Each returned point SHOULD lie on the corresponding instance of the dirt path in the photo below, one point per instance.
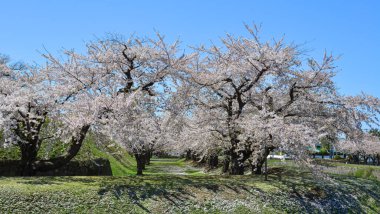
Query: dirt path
(172, 166)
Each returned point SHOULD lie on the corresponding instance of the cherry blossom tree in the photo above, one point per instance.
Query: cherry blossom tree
(364, 148)
(117, 82)
(140, 131)
(254, 97)
(39, 105)
(133, 82)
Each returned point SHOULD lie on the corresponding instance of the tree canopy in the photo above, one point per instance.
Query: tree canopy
(240, 100)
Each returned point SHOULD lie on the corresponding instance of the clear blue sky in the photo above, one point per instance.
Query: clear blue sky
(347, 28)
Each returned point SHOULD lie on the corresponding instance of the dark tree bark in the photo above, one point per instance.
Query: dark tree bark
(149, 155)
(144, 157)
(55, 163)
(139, 163)
(237, 157)
(194, 157)
(355, 159)
(257, 169)
(28, 129)
(365, 158)
(28, 158)
(237, 165)
(226, 164)
(259, 160)
(212, 161)
(188, 155)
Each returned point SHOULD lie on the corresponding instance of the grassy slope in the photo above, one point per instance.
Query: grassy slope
(121, 162)
(289, 189)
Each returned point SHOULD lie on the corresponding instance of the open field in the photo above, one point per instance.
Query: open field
(174, 186)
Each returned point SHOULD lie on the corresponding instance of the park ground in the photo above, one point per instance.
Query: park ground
(177, 186)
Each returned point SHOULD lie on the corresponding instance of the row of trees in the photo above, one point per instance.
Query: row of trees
(241, 101)
(366, 151)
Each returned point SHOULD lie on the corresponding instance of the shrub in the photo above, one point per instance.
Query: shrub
(337, 157)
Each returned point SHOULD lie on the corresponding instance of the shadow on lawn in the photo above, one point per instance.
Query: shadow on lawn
(50, 180)
(173, 189)
(339, 194)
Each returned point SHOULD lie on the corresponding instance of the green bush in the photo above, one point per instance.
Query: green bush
(324, 151)
(337, 157)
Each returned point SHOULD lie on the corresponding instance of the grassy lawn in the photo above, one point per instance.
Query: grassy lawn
(175, 186)
(289, 190)
(336, 168)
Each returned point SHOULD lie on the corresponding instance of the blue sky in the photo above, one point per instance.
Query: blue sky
(347, 28)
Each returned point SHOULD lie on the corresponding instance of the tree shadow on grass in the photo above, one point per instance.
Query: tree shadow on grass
(176, 190)
(49, 180)
(339, 194)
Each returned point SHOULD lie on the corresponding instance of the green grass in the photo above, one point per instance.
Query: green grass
(342, 164)
(295, 191)
(171, 166)
(121, 162)
(175, 186)
(168, 161)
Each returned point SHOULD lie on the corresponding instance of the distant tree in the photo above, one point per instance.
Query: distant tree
(375, 132)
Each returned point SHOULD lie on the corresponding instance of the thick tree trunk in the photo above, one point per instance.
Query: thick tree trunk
(237, 165)
(139, 163)
(75, 145)
(28, 157)
(226, 161)
(378, 159)
(257, 165)
(257, 169)
(194, 157)
(143, 157)
(212, 161)
(372, 159)
(237, 157)
(188, 155)
(365, 159)
(226, 164)
(149, 155)
(355, 159)
(259, 159)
